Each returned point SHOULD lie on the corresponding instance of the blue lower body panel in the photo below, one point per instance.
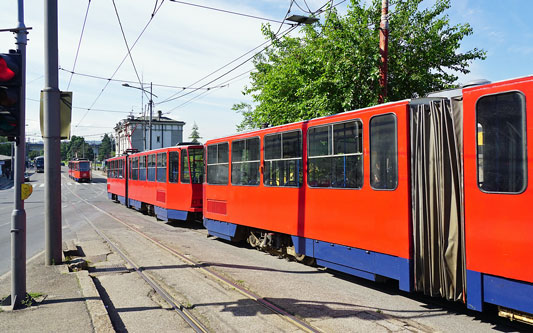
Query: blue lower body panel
(513, 294)
(121, 199)
(365, 264)
(135, 204)
(362, 263)
(221, 229)
(170, 214)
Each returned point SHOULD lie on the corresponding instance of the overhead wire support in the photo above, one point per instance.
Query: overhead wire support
(79, 43)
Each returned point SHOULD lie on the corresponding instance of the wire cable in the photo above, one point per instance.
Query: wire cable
(173, 96)
(318, 12)
(234, 68)
(79, 43)
(85, 108)
(227, 11)
(128, 48)
(128, 81)
(120, 65)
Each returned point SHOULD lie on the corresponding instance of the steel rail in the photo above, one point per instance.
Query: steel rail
(196, 325)
(265, 303)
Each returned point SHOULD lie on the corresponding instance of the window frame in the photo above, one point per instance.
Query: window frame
(263, 164)
(182, 169)
(207, 164)
(370, 151)
(362, 154)
(169, 170)
(241, 162)
(524, 119)
(161, 157)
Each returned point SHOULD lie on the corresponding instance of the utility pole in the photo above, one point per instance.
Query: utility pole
(150, 123)
(52, 141)
(383, 49)
(18, 216)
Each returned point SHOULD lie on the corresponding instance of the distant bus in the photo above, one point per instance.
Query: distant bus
(39, 163)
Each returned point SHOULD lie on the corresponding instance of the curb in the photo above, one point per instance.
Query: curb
(95, 305)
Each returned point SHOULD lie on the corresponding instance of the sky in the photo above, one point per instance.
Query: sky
(182, 44)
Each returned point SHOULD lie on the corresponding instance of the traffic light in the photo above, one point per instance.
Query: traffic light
(10, 85)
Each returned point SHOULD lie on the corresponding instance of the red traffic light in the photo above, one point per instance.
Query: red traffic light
(6, 73)
(10, 89)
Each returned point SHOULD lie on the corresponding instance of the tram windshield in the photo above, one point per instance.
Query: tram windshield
(84, 166)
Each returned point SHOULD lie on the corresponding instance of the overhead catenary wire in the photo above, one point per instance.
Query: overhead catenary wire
(209, 91)
(177, 96)
(122, 61)
(129, 50)
(79, 43)
(232, 69)
(86, 108)
(129, 81)
(228, 11)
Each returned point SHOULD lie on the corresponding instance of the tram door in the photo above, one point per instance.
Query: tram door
(437, 197)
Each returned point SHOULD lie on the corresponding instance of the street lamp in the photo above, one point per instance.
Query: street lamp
(150, 103)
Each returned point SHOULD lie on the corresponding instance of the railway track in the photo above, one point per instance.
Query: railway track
(194, 323)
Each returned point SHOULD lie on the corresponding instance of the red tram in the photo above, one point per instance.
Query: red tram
(80, 170)
(432, 192)
(164, 182)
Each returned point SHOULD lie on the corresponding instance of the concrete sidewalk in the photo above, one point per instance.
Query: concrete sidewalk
(66, 302)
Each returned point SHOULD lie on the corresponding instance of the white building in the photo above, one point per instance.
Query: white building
(133, 133)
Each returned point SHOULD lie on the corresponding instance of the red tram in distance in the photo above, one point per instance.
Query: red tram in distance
(80, 170)
(164, 182)
(431, 192)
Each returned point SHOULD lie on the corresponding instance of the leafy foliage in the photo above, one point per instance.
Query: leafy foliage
(334, 66)
(106, 148)
(76, 148)
(5, 146)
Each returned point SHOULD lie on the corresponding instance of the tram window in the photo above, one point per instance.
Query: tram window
(173, 166)
(283, 159)
(135, 168)
(151, 168)
(196, 162)
(217, 163)
(335, 155)
(142, 167)
(383, 152)
(501, 143)
(185, 177)
(119, 173)
(162, 167)
(245, 162)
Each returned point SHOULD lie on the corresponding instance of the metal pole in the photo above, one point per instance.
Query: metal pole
(384, 49)
(18, 217)
(150, 124)
(52, 141)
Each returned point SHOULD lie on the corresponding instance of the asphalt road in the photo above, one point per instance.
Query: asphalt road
(34, 207)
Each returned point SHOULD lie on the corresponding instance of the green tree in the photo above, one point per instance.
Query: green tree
(34, 153)
(334, 66)
(78, 148)
(195, 135)
(5, 146)
(104, 152)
